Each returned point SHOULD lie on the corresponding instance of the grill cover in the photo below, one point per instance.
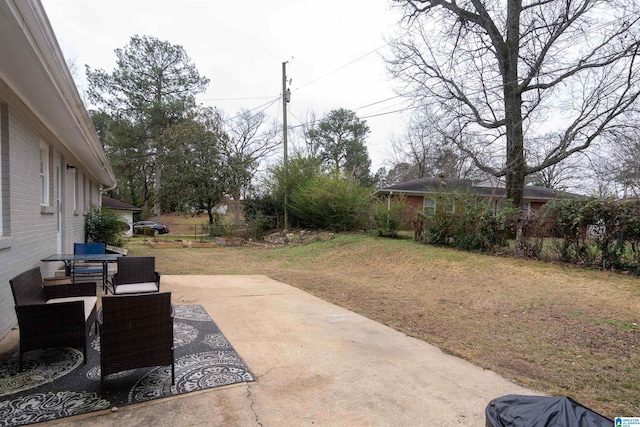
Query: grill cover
(538, 411)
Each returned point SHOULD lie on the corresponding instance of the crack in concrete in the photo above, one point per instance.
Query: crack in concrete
(268, 371)
(255, 414)
(255, 295)
(249, 391)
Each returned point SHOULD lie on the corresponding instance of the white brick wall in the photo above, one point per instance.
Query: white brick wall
(29, 232)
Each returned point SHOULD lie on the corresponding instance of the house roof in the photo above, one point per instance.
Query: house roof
(424, 186)
(34, 67)
(112, 203)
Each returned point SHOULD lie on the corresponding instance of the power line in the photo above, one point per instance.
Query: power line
(237, 99)
(342, 67)
(379, 102)
(391, 112)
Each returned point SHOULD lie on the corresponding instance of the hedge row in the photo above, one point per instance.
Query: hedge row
(591, 232)
(595, 232)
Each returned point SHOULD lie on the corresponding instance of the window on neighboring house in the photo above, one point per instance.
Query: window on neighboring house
(449, 204)
(429, 206)
(44, 175)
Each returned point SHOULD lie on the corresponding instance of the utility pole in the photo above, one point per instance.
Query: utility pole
(286, 97)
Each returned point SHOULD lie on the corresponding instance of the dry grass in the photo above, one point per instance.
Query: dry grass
(556, 329)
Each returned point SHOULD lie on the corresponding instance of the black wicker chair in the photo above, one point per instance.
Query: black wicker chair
(136, 275)
(136, 331)
(53, 315)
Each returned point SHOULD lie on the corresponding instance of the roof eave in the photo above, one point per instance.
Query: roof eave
(35, 70)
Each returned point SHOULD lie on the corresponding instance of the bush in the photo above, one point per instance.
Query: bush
(260, 223)
(330, 203)
(387, 216)
(104, 226)
(466, 222)
(262, 213)
(599, 233)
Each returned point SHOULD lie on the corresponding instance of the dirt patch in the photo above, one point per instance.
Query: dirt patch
(297, 237)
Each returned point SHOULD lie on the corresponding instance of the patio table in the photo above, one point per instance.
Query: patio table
(70, 259)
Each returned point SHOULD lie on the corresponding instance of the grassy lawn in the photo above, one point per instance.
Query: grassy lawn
(557, 329)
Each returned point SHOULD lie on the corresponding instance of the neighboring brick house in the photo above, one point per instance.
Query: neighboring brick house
(425, 194)
(52, 165)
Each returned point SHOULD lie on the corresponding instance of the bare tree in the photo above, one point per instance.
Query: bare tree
(561, 175)
(625, 161)
(303, 145)
(601, 173)
(250, 140)
(498, 71)
(424, 151)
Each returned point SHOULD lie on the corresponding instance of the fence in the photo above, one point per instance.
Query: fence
(202, 232)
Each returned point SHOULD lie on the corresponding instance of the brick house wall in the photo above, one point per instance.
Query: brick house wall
(30, 230)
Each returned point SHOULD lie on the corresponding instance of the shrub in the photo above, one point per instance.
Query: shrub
(262, 213)
(466, 222)
(387, 216)
(600, 233)
(104, 226)
(330, 203)
(260, 223)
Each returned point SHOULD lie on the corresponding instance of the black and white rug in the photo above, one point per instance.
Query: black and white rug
(56, 384)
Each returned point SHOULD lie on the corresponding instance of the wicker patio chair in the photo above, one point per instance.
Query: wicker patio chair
(136, 331)
(136, 275)
(53, 315)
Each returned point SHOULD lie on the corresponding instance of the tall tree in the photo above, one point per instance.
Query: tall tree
(153, 87)
(195, 169)
(501, 70)
(339, 142)
(250, 140)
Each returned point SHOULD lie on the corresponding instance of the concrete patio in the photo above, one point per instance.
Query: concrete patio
(315, 364)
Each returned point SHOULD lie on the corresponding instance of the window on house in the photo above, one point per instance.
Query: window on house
(449, 204)
(83, 192)
(86, 194)
(74, 189)
(90, 193)
(44, 175)
(429, 206)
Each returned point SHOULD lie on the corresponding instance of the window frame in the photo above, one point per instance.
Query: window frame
(44, 175)
(74, 186)
(428, 205)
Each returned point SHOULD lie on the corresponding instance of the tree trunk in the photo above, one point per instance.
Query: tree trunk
(156, 206)
(513, 106)
(523, 221)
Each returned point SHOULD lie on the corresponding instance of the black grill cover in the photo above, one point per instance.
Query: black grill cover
(538, 411)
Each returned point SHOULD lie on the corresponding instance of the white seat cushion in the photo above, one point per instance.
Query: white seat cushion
(137, 288)
(89, 303)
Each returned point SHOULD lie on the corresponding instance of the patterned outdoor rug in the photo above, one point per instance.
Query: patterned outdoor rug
(56, 384)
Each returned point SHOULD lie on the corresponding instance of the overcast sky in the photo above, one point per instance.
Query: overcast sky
(333, 49)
